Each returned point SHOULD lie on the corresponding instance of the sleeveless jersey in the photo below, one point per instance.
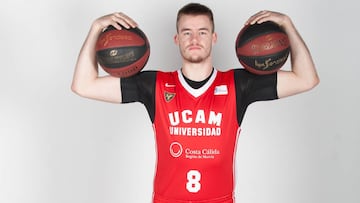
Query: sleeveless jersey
(196, 132)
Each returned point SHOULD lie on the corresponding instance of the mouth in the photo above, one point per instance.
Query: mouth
(193, 47)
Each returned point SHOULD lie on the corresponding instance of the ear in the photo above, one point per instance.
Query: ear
(214, 38)
(176, 39)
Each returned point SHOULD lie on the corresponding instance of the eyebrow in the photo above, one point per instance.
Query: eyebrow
(188, 29)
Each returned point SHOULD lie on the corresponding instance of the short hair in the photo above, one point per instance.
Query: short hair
(195, 9)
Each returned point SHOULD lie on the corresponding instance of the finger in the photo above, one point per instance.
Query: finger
(258, 17)
(115, 23)
(251, 18)
(124, 20)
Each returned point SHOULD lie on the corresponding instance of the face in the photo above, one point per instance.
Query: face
(195, 38)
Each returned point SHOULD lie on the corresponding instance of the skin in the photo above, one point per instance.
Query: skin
(195, 39)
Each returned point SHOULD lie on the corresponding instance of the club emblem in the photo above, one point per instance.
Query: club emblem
(169, 96)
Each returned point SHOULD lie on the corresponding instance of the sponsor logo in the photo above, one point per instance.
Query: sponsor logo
(113, 52)
(176, 149)
(169, 85)
(201, 153)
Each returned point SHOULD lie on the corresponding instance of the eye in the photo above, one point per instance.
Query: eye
(203, 33)
(187, 33)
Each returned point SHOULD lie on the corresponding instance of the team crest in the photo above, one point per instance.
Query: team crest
(169, 96)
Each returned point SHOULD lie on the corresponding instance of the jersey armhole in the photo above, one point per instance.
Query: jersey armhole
(140, 88)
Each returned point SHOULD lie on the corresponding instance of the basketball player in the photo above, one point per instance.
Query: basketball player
(197, 110)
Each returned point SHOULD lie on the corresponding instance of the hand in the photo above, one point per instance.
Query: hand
(263, 16)
(115, 19)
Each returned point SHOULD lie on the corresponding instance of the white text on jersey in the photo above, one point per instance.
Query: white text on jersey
(187, 117)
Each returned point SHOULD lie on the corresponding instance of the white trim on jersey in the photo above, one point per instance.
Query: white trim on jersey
(201, 90)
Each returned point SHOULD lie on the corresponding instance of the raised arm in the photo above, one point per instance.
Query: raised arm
(86, 80)
(303, 75)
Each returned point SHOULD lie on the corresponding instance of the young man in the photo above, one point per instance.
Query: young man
(197, 110)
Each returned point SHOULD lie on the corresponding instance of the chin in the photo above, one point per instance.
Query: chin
(195, 59)
(198, 60)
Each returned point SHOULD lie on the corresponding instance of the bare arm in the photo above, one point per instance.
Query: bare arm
(86, 80)
(303, 75)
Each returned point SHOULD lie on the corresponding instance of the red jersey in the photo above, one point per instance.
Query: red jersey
(196, 129)
(196, 132)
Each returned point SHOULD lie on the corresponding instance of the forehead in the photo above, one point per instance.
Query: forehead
(194, 22)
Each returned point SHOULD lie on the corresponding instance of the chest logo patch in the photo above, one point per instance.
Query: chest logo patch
(169, 96)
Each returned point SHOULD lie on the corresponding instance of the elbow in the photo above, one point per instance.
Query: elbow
(76, 88)
(312, 83)
(316, 81)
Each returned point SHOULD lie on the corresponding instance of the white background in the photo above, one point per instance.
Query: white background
(56, 147)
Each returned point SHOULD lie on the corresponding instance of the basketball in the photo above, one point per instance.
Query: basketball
(122, 53)
(262, 48)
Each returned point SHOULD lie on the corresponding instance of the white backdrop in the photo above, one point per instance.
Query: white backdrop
(56, 147)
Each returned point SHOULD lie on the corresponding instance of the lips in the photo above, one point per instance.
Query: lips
(194, 47)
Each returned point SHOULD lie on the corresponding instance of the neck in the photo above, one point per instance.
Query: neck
(197, 71)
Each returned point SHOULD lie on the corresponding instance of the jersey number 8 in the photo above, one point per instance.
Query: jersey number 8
(193, 181)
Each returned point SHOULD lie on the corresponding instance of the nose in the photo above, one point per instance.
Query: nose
(195, 37)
